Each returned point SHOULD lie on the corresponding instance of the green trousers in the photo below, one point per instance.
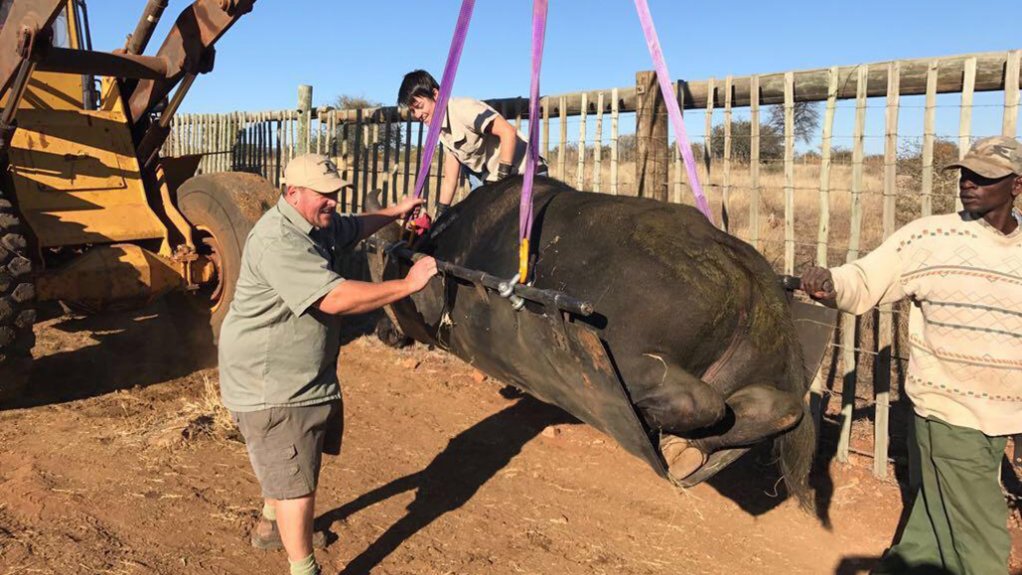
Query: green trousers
(959, 520)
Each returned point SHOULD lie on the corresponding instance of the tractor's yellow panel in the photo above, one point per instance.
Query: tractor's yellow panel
(77, 178)
(53, 91)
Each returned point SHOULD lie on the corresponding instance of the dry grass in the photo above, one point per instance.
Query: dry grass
(201, 416)
(214, 419)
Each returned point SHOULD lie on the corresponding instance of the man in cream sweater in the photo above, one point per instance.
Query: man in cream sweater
(963, 274)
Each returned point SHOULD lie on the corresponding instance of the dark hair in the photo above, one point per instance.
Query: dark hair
(416, 83)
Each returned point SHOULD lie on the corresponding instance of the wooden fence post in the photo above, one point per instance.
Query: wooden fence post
(580, 173)
(789, 173)
(304, 118)
(614, 112)
(965, 118)
(929, 134)
(849, 357)
(650, 138)
(818, 397)
(754, 162)
(711, 98)
(885, 325)
(598, 145)
(1009, 125)
(562, 112)
(725, 197)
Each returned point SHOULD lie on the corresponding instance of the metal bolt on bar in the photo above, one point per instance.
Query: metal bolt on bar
(507, 290)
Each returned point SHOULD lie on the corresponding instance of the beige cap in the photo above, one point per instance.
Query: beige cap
(994, 157)
(315, 172)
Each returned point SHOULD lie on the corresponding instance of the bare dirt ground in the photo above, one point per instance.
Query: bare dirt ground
(118, 462)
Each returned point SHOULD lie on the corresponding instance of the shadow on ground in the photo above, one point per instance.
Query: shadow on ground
(126, 349)
(471, 459)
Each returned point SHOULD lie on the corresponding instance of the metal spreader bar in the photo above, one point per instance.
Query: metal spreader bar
(551, 298)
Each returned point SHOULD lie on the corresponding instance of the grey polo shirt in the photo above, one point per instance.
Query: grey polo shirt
(276, 347)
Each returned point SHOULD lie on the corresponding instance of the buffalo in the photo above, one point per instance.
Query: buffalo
(690, 357)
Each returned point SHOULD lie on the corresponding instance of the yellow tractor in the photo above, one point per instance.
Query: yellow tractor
(90, 213)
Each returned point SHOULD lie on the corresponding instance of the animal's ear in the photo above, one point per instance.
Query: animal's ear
(373, 201)
(390, 232)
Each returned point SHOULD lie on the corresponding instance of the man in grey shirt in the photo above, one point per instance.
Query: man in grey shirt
(280, 340)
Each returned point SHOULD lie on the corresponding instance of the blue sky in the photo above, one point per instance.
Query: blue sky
(363, 48)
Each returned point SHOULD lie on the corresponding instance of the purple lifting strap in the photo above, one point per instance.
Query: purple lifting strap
(446, 83)
(539, 11)
(653, 43)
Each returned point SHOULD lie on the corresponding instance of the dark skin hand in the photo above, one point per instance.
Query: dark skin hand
(818, 284)
(991, 199)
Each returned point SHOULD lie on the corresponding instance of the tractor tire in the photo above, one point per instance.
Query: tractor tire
(222, 208)
(17, 303)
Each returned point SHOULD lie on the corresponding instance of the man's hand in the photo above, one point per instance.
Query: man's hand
(420, 274)
(406, 205)
(818, 283)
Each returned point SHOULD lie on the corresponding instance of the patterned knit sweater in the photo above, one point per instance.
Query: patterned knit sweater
(964, 278)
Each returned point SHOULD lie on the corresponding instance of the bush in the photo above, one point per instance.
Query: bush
(910, 179)
(771, 142)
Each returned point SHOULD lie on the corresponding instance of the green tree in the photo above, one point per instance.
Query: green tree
(349, 102)
(944, 184)
(806, 118)
(771, 142)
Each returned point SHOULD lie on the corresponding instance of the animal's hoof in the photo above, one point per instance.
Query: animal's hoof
(683, 458)
(390, 335)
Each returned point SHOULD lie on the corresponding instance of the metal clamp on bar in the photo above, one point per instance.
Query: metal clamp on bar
(507, 290)
(551, 298)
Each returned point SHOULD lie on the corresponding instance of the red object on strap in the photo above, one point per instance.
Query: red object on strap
(446, 83)
(420, 225)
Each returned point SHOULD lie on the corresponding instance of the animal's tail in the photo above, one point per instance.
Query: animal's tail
(797, 446)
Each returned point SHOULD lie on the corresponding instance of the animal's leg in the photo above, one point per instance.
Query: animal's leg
(756, 412)
(675, 402)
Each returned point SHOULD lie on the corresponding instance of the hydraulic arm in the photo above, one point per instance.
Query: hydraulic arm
(26, 45)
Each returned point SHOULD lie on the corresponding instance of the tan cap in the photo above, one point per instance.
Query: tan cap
(315, 172)
(994, 157)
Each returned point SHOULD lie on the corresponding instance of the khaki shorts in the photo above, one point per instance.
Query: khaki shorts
(285, 445)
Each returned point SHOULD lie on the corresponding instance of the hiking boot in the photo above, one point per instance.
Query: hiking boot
(265, 535)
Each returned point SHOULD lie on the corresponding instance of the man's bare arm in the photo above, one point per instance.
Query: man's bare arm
(354, 297)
